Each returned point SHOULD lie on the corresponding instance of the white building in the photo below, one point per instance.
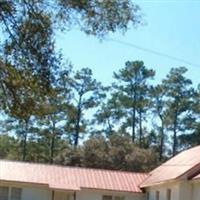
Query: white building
(177, 179)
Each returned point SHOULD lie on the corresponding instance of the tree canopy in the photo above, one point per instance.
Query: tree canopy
(51, 113)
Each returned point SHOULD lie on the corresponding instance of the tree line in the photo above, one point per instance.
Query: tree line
(81, 122)
(53, 114)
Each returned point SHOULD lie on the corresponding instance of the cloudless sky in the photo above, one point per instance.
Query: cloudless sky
(171, 27)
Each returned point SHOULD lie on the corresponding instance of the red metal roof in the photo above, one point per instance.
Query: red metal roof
(174, 168)
(71, 178)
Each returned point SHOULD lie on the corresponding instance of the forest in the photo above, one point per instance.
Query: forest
(51, 113)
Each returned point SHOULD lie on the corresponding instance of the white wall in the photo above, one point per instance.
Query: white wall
(35, 194)
(196, 191)
(42, 194)
(186, 190)
(175, 188)
(30, 192)
(97, 195)
(180, 190)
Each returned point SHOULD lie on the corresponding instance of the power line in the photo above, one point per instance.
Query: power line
(153, 52)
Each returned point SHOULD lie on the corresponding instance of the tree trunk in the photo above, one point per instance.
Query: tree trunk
(133, 124)
(77, 126)
(52, 144)
(161, 139)
(24, 151)
(140, 127)
(175, 136)
(175, 143)
(110, 128)
(24, 147)
(52, 148)
(134, 114)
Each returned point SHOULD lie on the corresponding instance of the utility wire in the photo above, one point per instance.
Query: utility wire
(153, 52)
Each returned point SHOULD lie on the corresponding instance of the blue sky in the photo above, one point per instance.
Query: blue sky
(172, 27)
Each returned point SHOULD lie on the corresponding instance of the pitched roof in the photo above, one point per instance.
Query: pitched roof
(174, 168)
(70, 178)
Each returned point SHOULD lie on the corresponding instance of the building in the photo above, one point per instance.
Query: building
(177, 179)
(26, 181)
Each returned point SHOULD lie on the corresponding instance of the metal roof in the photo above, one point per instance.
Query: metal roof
(174, 168)
(71, 178)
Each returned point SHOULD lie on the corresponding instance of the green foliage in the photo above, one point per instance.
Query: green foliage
(159, 110)
(179, 94)
(117, 153)
(131, 91)
(192, 123)
(99, 17)
(105, 116)
(48, 109)
(87, 94)
(98, 157)
(78, 122)
(29, 62)
(29, 25)
(8, 147)
(33, 93)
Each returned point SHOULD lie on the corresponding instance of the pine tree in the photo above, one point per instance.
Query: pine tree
(86, 94)
(159, 110)
(179, 94)
(132, 91)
